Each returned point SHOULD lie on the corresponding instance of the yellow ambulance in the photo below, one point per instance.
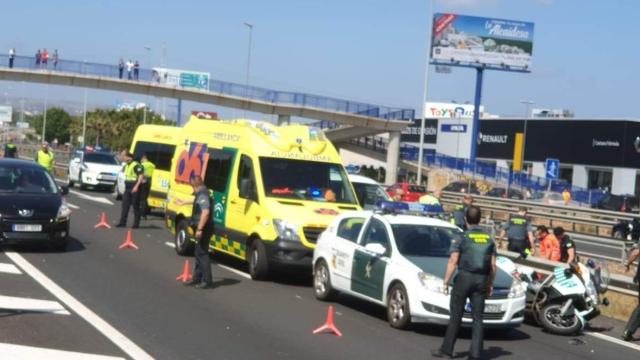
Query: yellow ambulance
(274, 189)
(158, 142)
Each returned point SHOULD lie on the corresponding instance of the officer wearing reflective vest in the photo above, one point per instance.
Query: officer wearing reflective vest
(10, 150)
(145, 189)
(460, 210)
(133, 176)
(474, 256)
(519, 233)
(44, 157)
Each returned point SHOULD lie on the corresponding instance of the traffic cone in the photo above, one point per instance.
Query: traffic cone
(102, 222)
(128, 242)
(185, 276)
(328, 325)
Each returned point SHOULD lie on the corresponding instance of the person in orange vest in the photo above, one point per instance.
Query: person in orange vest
(549, 244)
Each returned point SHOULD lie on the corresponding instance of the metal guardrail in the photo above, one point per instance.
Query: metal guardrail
(557, 214)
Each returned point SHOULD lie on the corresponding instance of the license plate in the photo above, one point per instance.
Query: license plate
(107, 177)
(488, 308)
(27, 227)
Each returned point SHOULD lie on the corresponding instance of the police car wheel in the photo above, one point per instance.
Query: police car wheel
(183, 245)
(398, 312)
(322, 282)
(257, 258)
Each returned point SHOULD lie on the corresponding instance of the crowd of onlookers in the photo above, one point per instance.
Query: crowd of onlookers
(133, 69)
(42, 58)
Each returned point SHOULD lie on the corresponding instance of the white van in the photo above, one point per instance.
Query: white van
(368, 191)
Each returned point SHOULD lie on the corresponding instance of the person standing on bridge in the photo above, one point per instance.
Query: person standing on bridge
(145, 189)
(474, 256)
(203, 227)
(44, 57)
(519, 233)
(45, 157)
(129, 69)
(634, 320)
(120, 68)
(136, 70)
(38, 58)
(55, 59)
(133, 176)
(12, 56)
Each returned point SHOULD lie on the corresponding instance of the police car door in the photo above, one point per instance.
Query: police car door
(343, 249)
(74, 166)
(368, 269)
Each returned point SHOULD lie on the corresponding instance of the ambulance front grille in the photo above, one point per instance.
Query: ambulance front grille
(312, 233)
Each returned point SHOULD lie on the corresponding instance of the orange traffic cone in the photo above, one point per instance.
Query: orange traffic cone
(328, 325)
(185, 276)
(102, 222)
(128, 242)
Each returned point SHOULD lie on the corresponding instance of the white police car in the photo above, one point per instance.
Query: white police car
(399, 261)
(93, 168)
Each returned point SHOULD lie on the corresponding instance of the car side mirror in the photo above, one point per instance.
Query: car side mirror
(376, 248)
(64, 190)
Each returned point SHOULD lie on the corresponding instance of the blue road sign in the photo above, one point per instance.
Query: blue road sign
(552, 169)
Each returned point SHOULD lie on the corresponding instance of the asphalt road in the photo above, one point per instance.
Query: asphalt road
(135, 294)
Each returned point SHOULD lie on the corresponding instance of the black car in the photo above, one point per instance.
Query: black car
(462, 187)
(31, 205)
(624, 203)
(502, 193)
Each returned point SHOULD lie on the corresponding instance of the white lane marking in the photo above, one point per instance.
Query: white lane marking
(613, 340)
(20, 352)
(75, 207)
(124, 343)
(26, 304)
(235, 271)
(9, 269)
(98, 199)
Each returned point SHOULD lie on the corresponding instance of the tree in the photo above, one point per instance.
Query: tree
(58, 125)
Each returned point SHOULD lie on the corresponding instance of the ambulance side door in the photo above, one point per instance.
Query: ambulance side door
(243, 206)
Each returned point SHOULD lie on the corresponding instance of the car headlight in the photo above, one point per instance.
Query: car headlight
(591, 290)
(63, 212)
(286, 230)
(431, 283)
(517, 290)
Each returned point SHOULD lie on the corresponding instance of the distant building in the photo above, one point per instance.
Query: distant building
(551, 113)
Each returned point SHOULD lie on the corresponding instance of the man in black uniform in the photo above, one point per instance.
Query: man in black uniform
(567, 247)
(634, 320)
(519, 233)
(460, 210)
(202, 225)
(474, 254)
(133, 176)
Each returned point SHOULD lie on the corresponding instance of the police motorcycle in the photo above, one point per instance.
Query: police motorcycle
(564, 301)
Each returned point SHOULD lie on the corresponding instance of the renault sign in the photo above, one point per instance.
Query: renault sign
(470, 40)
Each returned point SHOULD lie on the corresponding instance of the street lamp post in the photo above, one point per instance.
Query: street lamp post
(144, 114)
(423, 113)
(248, 70)
(527, 104)
(84, 119)
(44, 116)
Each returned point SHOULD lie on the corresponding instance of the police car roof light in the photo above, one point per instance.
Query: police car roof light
(398, 207)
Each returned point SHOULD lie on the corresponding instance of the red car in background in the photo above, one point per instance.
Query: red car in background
(406, 192)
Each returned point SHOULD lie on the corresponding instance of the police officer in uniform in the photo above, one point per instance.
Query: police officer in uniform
(460, 210)
(474, 255)
(44, 157)
(519, 233)
(10, 150)
(149, 167)
(202, 226)
(567, 246)
(133, 176)
(634, 321)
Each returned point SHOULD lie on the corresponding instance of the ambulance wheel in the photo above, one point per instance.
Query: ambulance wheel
(322, 282)
(258, 262)
(398, 313)
(184, 246)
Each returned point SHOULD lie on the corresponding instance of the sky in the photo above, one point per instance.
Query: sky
(585, 54)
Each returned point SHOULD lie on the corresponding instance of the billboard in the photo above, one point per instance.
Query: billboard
(496, 138)
(181, 78)
(450, 110)
(470, 40)
(411, 133)
(5, 114)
